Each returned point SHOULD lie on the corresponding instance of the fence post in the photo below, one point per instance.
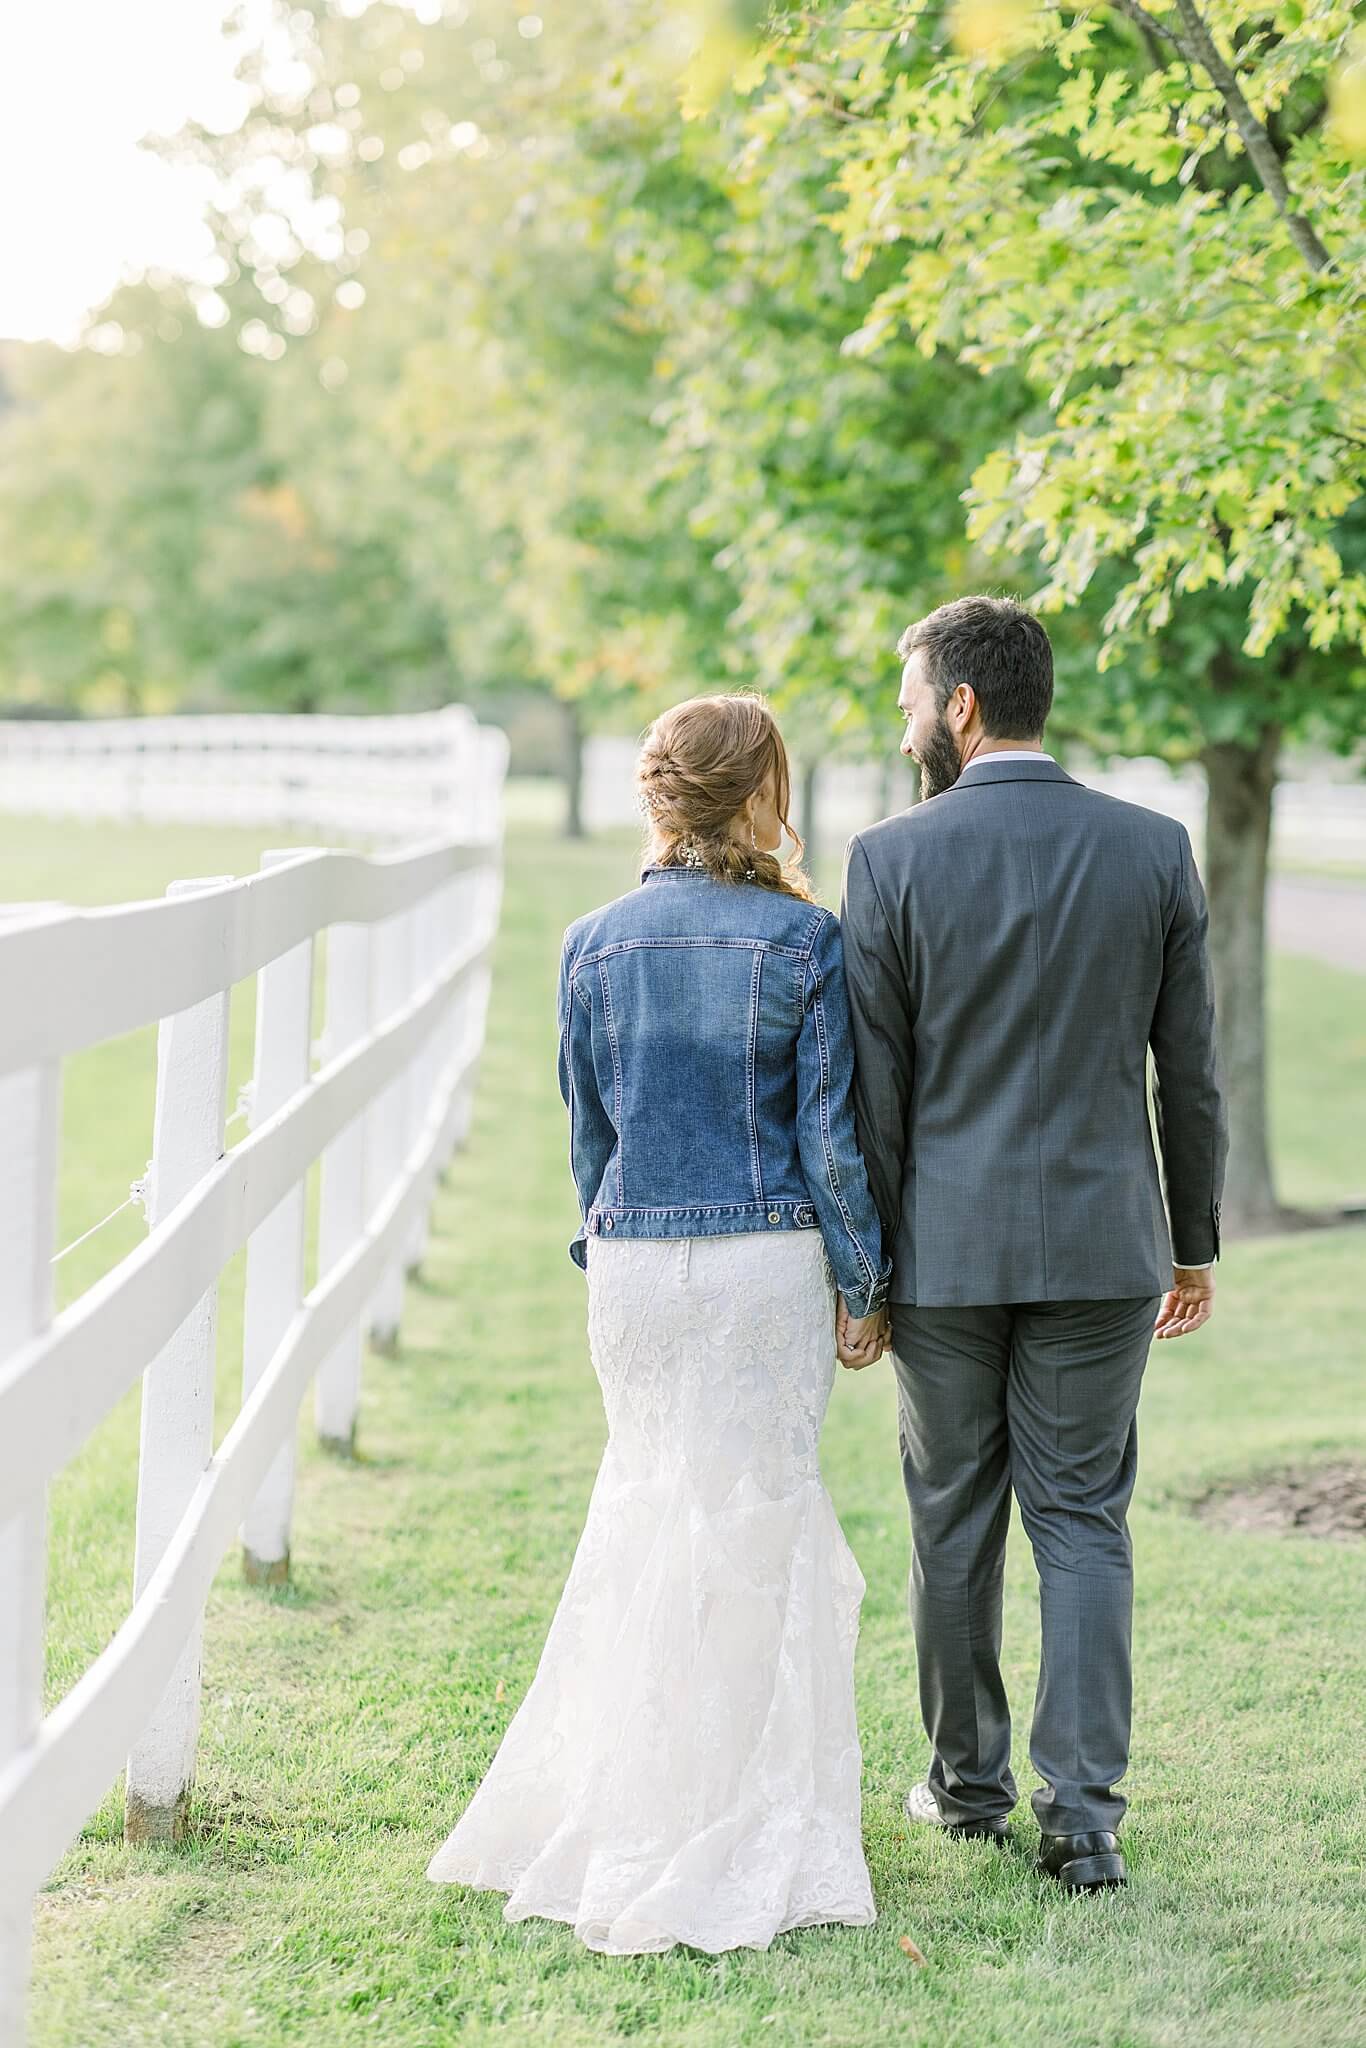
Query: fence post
(177, 1394)
(465, 913)
(456, 906)
(28, 1219)
(387, 1117)
(275, 1249)
(481, 908)
(424, 1072)
(456, 910)
(29, 1133)
(341, 1210)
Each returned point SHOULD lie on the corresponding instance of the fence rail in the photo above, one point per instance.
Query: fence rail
(407, 934)
(352, 777)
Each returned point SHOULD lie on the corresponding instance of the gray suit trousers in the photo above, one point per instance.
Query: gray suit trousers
(1040, 1397)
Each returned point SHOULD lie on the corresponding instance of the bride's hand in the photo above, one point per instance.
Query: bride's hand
(859, 1340)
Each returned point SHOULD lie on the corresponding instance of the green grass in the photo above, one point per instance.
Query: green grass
(1317, 1032)
(348, 1717)
(1323, 869)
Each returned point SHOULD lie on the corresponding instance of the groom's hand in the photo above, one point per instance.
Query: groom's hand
(1190, 1303)
(859, 1340)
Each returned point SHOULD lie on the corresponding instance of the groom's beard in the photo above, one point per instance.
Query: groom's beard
(940, 766)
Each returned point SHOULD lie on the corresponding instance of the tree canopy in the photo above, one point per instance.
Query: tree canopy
(662, 344)
(1167, 243)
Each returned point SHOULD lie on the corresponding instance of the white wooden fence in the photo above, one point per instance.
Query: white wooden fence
(408, 938)
(366, 778)
(1317, 821)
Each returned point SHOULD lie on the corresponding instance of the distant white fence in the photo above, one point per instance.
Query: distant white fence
(408, 939)
(1315, 821)
(349, 777)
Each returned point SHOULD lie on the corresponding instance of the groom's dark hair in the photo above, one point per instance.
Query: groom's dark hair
(999, 649)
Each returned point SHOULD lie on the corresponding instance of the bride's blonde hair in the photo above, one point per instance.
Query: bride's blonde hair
(699, 764)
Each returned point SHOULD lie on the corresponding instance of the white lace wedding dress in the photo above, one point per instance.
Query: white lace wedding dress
(685, 1765)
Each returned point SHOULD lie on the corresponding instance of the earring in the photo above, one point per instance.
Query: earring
(751, 872)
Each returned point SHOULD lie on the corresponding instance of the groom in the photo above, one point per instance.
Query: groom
(1014, 947)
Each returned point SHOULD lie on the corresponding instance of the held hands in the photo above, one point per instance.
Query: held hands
(1190, 1303)
(860, 1340)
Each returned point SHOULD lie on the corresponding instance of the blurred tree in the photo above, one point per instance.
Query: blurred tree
(829, 484)
(175, 528)
(584, 324)
(523, 363)
(531, 358)
(504, 367)
(114, 455)
(1146, 213)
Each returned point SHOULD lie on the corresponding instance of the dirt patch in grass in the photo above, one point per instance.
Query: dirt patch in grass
(1312, 1500)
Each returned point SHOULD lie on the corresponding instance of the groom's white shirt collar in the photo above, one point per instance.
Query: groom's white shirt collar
(1013, 754)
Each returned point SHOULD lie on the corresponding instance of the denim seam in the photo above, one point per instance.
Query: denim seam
(793, 1202)
(831, 1172)
(751, 1061)
(669, 944)
(569, 1075)
(818, 917)
(616, 1071)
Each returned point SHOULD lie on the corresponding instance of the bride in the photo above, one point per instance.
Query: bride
(685, 1766)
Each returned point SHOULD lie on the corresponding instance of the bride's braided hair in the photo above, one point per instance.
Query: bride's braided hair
(699, 763)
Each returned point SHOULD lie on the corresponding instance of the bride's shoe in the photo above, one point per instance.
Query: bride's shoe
(922, 1806)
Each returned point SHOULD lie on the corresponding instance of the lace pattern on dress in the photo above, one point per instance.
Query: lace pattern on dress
(685, 1766)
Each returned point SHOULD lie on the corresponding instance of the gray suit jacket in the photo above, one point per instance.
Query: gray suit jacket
(1013, 948)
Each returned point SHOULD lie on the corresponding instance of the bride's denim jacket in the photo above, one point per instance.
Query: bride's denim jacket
(706, 1060)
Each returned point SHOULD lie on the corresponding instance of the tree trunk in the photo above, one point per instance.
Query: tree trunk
(1242, 781)
(573, 772)
(808, 820)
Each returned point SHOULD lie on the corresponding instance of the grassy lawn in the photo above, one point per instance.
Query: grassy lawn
(348, 1717)
(1317, 1025)
(1348, 869)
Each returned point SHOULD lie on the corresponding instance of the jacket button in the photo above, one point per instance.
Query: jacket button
(802, 1215)
(607, 1223)
(774, 1217)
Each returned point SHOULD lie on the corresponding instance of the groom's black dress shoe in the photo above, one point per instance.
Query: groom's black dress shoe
(1082, 1863)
